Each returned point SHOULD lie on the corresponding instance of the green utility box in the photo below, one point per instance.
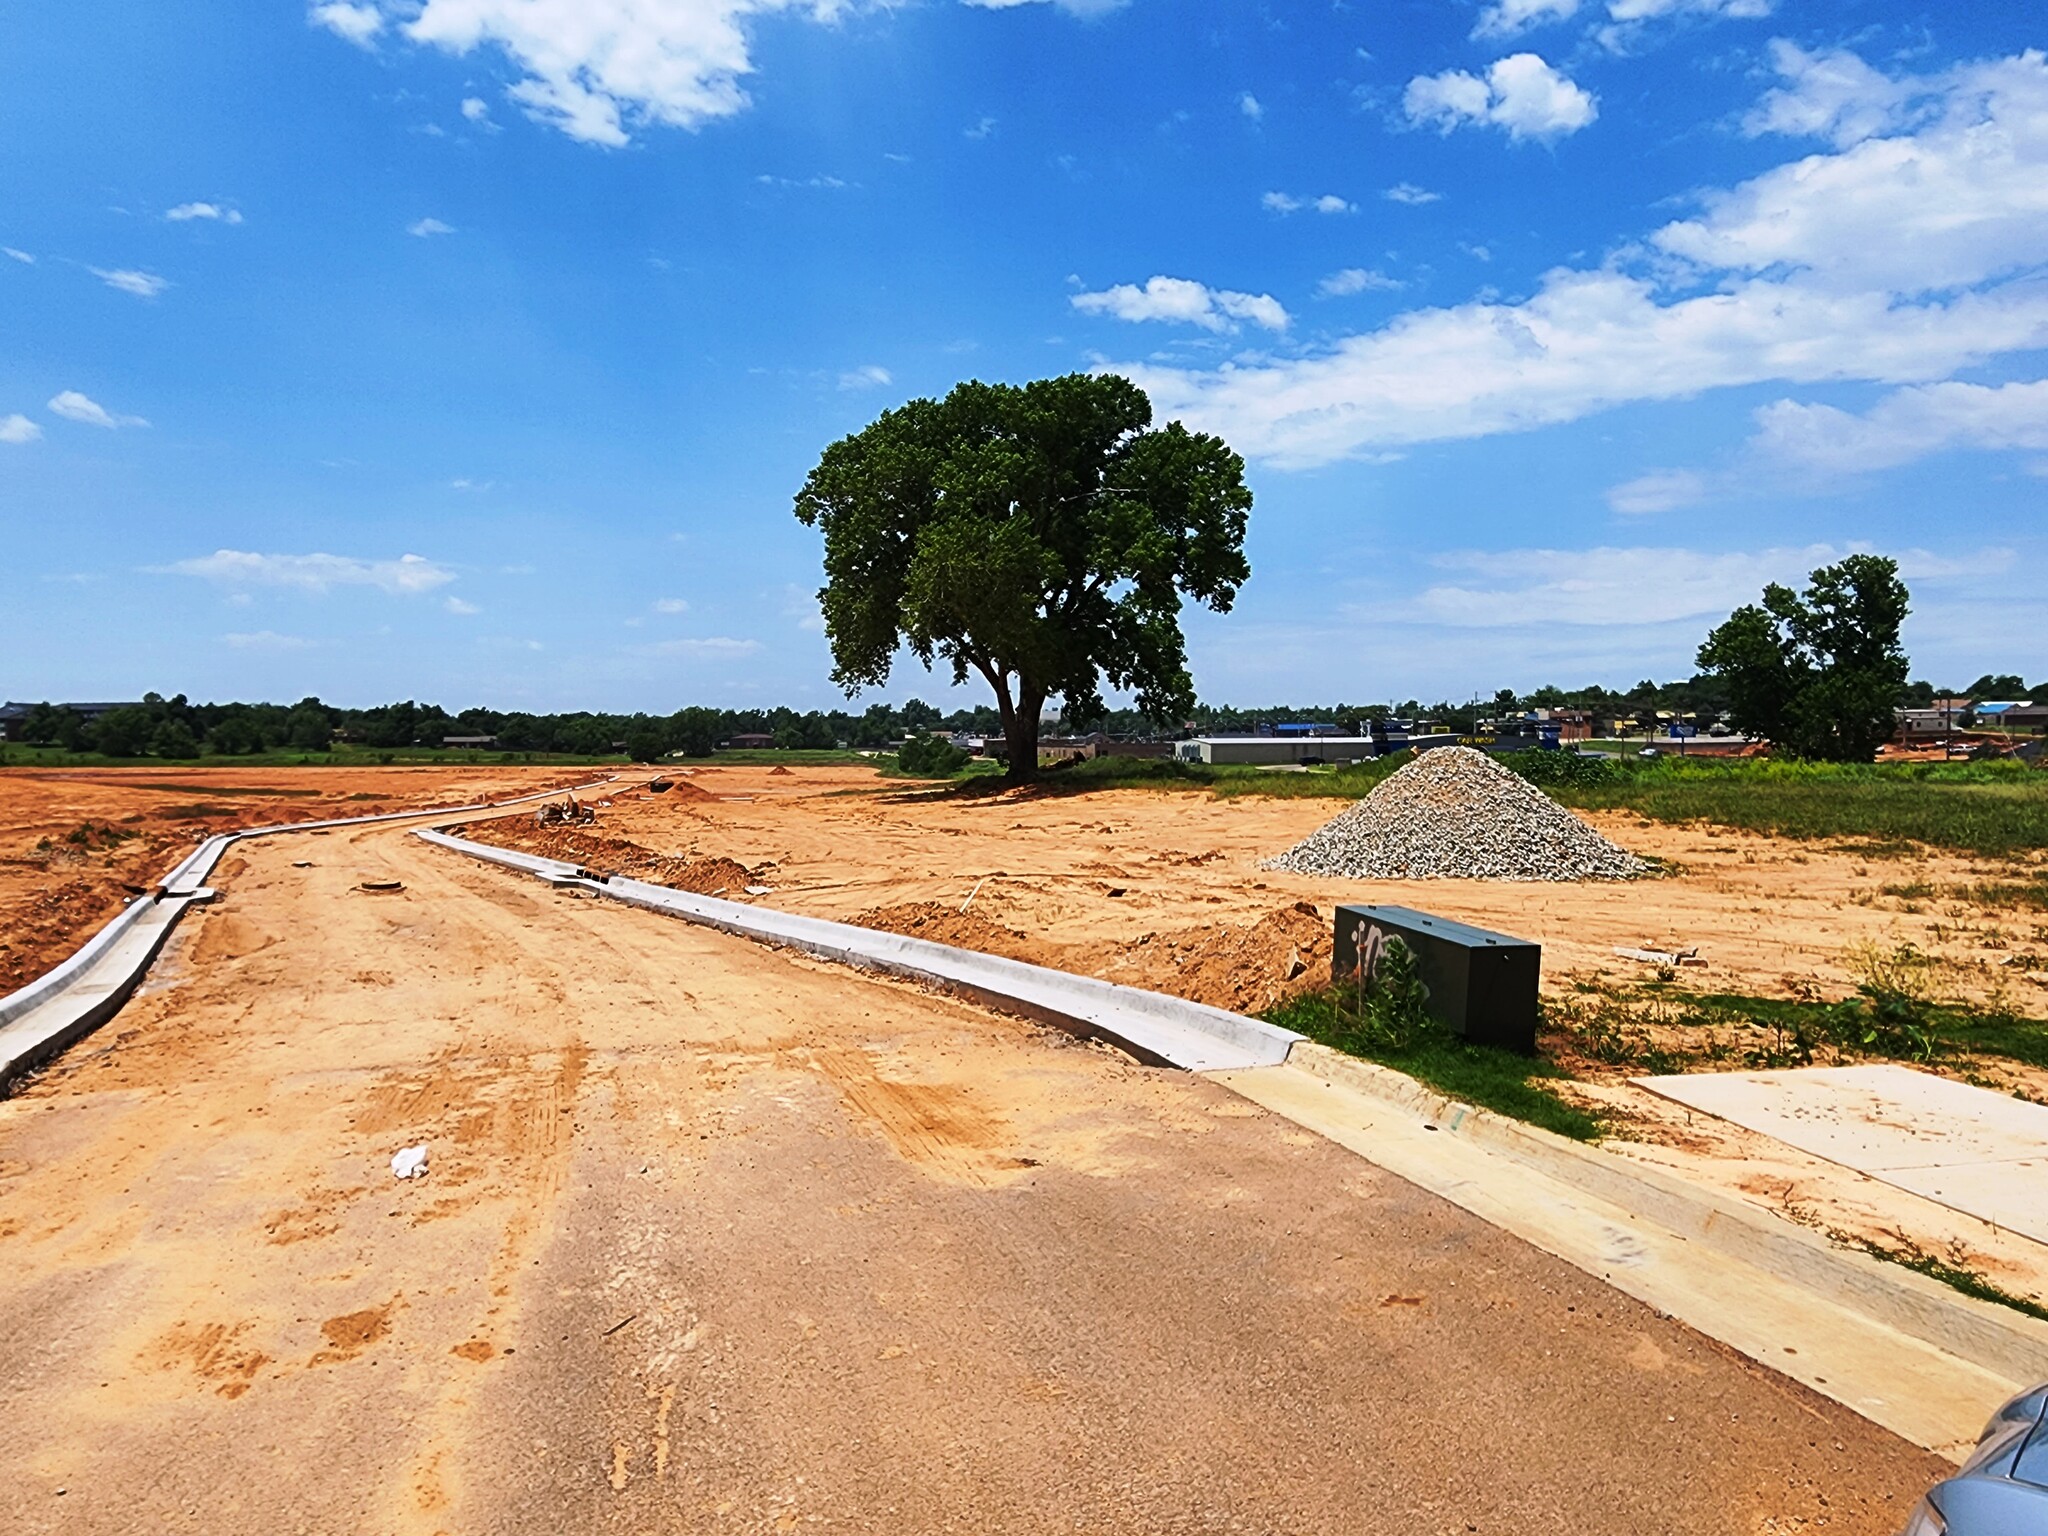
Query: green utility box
(1481, 985)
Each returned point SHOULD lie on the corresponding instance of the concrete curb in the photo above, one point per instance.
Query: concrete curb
(1995, 1338)
(1151, 1025)
(76, 996)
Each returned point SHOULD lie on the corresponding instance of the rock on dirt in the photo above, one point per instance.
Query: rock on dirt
(1456, 814)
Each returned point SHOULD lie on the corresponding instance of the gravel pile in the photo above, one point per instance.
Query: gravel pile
(1456, 814)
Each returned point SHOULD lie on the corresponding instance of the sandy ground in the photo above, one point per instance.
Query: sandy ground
(76, 842)
(720, 1239)
(1163, 890)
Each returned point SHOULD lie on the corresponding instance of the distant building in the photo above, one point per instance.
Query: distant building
(751, 741)
(469, 741)
(1270, 751)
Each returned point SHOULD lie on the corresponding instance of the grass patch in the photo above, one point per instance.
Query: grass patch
(1658, 1027)
(1993, 809)
(1502, 1081)
(1951, 1271)
(17, 755)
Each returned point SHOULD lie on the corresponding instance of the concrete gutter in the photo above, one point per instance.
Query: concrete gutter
(77, 996)
(1906, 1351)
(1150, 1025)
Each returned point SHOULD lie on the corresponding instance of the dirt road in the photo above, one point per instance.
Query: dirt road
(719, 1239)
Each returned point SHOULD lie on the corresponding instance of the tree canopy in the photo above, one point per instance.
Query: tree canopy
(1043, 536)
(1817, 673)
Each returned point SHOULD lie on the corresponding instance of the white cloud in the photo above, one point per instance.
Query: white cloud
(1182, 300)
(144, 285)
(1652, 10)
(73, 406)
(1905, 425)
(1521, 94)
(475, 108)
(17, 428)
(21, 256)
(595, 69)
(1832, 95)
(1355, 280)
(1505, 18)
(266, 640)
(713, 648)
(1071, 7)
(408, 575)
(1414, 196)
(1898, 261)
(358, 23)
(457, 606)
(1248, 104)
(1607, 586)
(1662, 490)
(671, 605)
(981, 128)
(426, 229)
(1328, 202)
(871, 376)
(185, 212)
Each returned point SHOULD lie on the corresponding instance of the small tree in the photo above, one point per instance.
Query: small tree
(173, 739)
(1818, 674)
(1042, 536)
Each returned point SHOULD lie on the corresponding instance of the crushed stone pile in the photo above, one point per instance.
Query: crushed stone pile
(1456, 814)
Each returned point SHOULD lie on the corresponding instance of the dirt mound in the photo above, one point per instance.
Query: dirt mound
(683, 789)
(1244, 969)
(1456, 814)
(778, 768)
(963, 930)
(615, 856)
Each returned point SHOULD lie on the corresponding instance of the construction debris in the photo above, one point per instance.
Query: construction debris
(564, 813)
(1456, 814)
(1672, 957)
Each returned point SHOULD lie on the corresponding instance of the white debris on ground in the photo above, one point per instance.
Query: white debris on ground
(1456, 814)
(409, 1162)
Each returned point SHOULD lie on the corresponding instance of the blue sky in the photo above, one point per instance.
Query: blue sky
(472, 350)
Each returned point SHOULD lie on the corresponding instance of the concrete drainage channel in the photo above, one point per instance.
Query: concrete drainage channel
(1907, 1352)
(74, 998)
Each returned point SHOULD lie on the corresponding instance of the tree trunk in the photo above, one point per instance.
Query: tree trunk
(1023, 736)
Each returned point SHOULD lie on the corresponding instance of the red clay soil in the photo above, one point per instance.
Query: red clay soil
(76, 843)
(613, 856)
(779, 769)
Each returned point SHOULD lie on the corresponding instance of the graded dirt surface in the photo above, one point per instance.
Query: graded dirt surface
(1081, 880)
(716, 1238)
(77, 842)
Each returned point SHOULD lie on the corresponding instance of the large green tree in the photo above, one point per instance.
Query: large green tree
(1042, 536)
(1817, 673)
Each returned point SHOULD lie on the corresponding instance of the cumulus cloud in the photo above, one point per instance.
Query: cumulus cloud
(595, 69)
(1284, 202)
(1248, 104)
(1186, 302)
(144, 285)
(475, 108)
(426, 229)
(1897, 260)
(408, 575)
(1505, 18)
(457, 606)
(186, 212)
(358, 23)
(1414, 196)
(1905, 425)
(1355, 280)
(870, 376)
(17, 428)
(73, 406)
(1520, 94)
(1662, 490)
(671, 605)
